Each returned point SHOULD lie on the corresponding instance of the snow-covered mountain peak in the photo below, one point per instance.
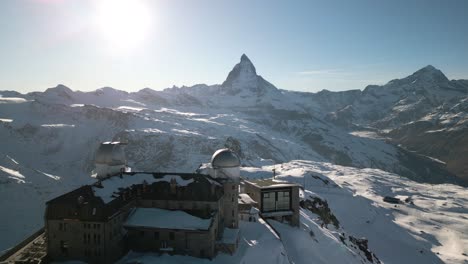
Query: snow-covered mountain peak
(60, 88)
(109, 91)
(243, 77)
(60, 93)
(431, 73)
(244, 71)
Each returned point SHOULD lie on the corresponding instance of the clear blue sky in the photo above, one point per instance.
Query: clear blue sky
(296, 45)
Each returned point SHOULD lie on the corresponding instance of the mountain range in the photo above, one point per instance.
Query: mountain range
(415, 127)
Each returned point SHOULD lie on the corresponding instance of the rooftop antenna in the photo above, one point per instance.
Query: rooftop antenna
(274, 172)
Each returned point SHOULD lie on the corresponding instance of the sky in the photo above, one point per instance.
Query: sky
(296, 45)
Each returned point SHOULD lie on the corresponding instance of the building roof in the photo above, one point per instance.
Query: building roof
(270, 183)
(225, 158)
(101, 200)
(246, 199)
(166, 219)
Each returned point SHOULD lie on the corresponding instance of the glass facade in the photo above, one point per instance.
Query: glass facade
(276, 200)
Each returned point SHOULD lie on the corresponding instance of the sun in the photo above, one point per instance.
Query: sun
(123, 24)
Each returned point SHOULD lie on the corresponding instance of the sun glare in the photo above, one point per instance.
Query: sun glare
(124, 24)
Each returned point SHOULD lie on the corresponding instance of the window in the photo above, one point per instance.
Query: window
(99, 239)
(156, 235)
(94, 238)
(64, 247)
(171, 235)
(142, 233)
(84, 238)
(268, 202)
(282, 202)
(164, 244)
(232, 213)
(60, 226)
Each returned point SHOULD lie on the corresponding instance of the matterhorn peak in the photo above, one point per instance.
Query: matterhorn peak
(244, 71)
(244, 58)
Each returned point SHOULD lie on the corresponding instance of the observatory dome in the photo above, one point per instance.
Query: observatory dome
(224, 158)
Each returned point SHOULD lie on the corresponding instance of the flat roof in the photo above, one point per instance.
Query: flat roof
(270, 183)
(166, 219)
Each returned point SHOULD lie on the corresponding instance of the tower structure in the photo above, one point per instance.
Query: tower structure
(226, 167)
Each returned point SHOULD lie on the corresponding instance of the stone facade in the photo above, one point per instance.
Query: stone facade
(81, 226)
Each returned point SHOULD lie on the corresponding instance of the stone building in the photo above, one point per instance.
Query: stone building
(178, 213)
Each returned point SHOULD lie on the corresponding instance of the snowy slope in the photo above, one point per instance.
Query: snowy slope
(431, 230)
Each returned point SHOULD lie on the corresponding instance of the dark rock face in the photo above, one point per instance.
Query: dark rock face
(244, 77)
(362, 244)
(320, 208)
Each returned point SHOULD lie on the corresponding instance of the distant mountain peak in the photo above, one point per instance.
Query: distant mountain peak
(430, 73)
(245, 58)
(59, 88)
(243, 72)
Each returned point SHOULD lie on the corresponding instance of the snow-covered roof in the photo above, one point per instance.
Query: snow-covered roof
(113, 184)
(271, 183)
(167, 219)
(245, 199)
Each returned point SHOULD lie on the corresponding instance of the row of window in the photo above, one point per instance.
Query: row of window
(156, 235)
(93, 226)
(186, 206)
(87, 238)
(63, 226)
(273, 201)
(271, 194)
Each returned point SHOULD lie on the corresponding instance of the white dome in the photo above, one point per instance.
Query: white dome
(224, 158)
